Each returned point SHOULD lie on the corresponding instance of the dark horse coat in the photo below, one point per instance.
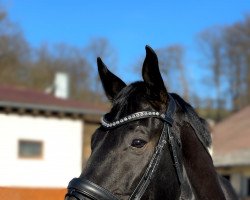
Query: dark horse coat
(121, 155)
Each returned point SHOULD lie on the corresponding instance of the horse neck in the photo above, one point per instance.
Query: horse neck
(199, 167)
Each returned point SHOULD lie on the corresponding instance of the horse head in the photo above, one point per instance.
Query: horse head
(151, 144)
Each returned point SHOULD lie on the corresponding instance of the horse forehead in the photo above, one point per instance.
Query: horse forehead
(128, 106)
(135, 90)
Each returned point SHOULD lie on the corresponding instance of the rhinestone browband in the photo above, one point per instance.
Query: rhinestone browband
(132, 117)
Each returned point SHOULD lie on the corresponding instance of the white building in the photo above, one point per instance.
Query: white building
(41, 145)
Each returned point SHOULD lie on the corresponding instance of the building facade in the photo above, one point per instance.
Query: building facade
(42, 143)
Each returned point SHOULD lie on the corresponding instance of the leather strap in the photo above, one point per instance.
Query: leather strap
(177, 164)
(80, 188)
(151, 169)
(153, 165)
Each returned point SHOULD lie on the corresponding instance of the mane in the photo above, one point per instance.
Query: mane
(199, 124)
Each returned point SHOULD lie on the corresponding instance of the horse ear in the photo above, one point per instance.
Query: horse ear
(151, 72)
(111, 83)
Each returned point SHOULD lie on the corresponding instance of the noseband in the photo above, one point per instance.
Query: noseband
(80, 188)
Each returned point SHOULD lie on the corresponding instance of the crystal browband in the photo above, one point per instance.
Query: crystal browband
(133, 117)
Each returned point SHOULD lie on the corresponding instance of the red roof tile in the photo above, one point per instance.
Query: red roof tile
(232, 136)
(37, 98)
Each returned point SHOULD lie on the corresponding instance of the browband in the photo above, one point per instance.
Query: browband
(134, 117)
(166, 117)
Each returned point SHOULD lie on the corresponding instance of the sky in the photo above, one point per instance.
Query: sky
(128, 25)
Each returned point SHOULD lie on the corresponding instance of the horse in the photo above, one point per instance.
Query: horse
(152, 145)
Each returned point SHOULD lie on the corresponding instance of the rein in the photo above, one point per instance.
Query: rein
(80, 188)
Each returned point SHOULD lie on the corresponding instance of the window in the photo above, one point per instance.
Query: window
(30, 149)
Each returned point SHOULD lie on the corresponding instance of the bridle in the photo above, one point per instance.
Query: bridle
(80, 188)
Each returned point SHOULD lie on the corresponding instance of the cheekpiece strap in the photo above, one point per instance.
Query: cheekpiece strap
(155, 160)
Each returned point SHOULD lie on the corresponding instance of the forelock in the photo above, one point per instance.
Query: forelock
(130, 99)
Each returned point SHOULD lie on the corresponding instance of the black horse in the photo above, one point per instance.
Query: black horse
(151, 145)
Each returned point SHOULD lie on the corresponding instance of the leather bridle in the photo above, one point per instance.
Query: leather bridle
(81, 188)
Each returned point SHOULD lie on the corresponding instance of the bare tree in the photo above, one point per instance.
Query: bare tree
(227, 51)
(237, 51)
(62, 58)
(100, 47)
(14, 51)
(210, 42)
(171, 61)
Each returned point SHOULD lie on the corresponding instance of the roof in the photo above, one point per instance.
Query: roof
(231, 140)
(23, 98)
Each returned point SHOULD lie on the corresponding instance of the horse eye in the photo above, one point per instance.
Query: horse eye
(138, 143)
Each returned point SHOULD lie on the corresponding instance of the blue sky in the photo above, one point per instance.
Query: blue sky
(128, 25)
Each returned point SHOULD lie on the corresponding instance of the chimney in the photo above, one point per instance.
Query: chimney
(61, 85)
